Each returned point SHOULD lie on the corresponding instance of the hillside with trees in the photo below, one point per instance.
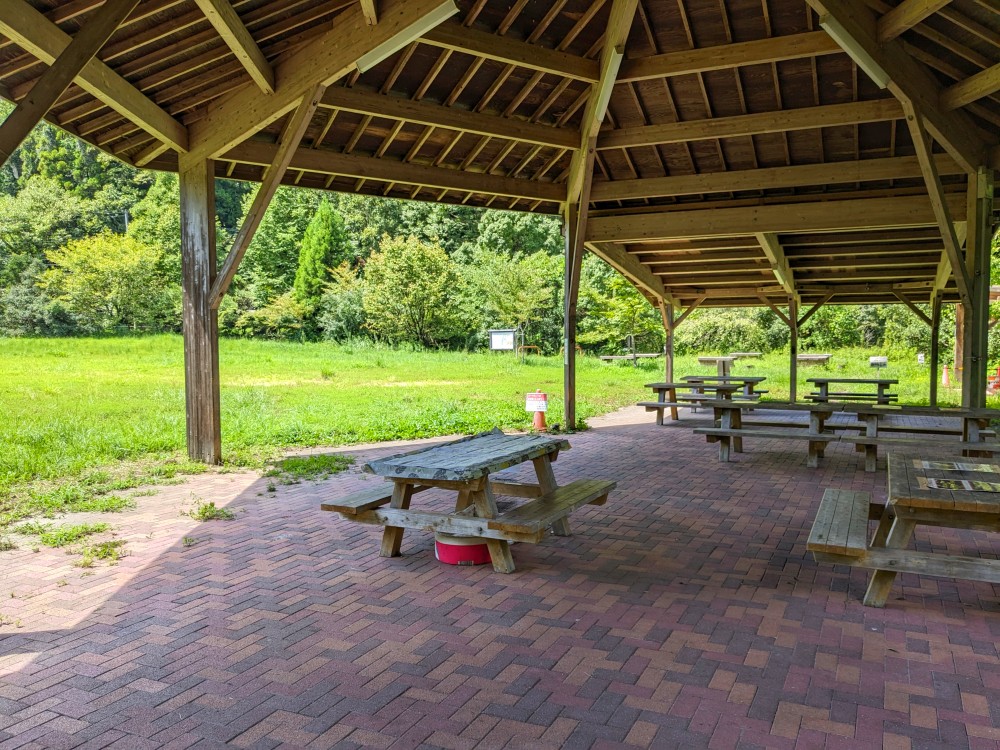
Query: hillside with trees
(91, 246)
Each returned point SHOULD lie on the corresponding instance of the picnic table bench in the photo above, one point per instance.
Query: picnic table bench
(748, 382)
(465, 466)
(634, 358)
(684, 394)
(813, 359)
(823, 394)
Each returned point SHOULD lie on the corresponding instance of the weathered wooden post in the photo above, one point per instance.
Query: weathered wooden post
(977, 259)
(935, 346)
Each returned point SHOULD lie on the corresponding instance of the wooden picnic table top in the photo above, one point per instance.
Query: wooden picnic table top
(867, 381)
(717, 359)
(701, 386)
(909, 486)
(727, 378)
(467, 459)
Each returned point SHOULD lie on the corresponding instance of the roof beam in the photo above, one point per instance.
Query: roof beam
(33, 32)
(983, 83)
(349, 43)
(471, 41)
(452, 118)
(58, 77)
(227, 23)
(818, 216)
(854, 27)
(953, 248)
(891, 168)
(723, 56)
(776, 257)
(905, 16)
(291, 136)
(630, 268)
(803, 118)
(322, 161)
(612, 54)
(370, 9)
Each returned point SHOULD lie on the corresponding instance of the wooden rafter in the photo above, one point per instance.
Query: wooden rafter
(453, 118)
(322, 161)
(939, 204)
(863, 213)
(58, 77)
(805, 118)
(905, 16)
(291, 136)
(227, 23)
(46, 41)
(722, 56)
(855, 28)
(455, 36)
(968, 90)
(325, 58)
(771, 246)
(772, 177)
(370, 9)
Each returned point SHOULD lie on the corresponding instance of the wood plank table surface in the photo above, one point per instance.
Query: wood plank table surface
(747, 382)
(914, 499)
(824, 395)
(466, 467)
(666, 394)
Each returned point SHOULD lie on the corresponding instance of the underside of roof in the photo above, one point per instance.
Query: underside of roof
(744, 156)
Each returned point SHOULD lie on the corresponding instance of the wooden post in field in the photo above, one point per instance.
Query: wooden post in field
(935, 345)
(793, 365)
(201, 329)
(977, 259)
(667, 313)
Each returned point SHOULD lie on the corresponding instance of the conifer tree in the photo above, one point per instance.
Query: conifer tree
(324, 246)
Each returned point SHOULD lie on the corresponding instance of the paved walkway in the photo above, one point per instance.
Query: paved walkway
(685, 613)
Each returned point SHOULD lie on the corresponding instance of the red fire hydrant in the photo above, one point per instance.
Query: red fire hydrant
(538, 403)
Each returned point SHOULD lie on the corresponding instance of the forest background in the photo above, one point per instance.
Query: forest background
(90, 246)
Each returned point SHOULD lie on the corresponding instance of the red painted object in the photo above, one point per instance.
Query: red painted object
(460, 550)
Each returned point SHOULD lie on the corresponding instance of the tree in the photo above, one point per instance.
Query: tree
(513, 232)
(341, 311)
(109, 281)
(411, 293)
(324, 246)
(614, 309)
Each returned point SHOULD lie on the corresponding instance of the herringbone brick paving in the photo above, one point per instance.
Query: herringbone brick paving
(686, 613)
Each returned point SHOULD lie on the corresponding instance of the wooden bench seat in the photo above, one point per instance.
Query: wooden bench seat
(358, 502)
(537, 515)
(865, 397)
(841, 525)
(779, 434)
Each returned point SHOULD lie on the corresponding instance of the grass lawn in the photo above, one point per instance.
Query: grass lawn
(73, 406)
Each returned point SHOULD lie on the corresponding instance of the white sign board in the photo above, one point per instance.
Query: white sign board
(536, 402)
(502, 340)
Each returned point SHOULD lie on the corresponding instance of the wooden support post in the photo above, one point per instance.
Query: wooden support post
(667, 313)
(959, 355)
(935, 346)
(201, 328)
(571, 290)
(977, 259)
(793, 327)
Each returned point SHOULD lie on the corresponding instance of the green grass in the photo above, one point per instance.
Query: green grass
(60, 536)
(298, 468)
(87, 420)
(203, 511)
(112, 551)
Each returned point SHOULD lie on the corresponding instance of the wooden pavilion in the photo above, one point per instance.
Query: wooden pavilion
(788, 153)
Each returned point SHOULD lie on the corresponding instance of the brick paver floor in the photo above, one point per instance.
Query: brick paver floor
(685, 613)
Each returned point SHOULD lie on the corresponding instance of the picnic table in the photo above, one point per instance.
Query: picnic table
(465, 467)
(930, 490)
(823, 394)
(685, 394)
(723, 364)
(813, 359)
(748, 383)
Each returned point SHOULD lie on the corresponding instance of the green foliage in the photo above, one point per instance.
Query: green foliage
(613, 309)
(203, 511)
(112, 551)
(318, 466)
(728, 330)
(324, 246)
(282, 318)
(510, 233)
(109, 281)
(61, 536)
(341, 314)
(410, 293)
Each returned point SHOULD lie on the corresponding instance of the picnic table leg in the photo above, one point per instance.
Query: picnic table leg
(737, 421)
(972, 433)
(871, 451)
(547, 481)
(881, 580)
(816, 447)
(486, 507)
(726, 422)
(392, 536)
(464, 500)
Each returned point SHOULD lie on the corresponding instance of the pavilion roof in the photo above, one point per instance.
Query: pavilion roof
(743, 155)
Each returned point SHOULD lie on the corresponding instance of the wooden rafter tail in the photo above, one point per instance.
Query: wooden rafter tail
(291, 136)
(35, 33)
(58, 77)
(223, 18)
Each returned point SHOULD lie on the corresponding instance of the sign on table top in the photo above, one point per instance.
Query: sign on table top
(468, 458)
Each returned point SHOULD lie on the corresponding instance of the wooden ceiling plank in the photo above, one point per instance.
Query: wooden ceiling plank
(35, 33)
(289, 142)
(453, 118)
(866, 170)
(455, 36)
(771, 246)
(322, 161)
(984, 83)
(866, 213)
(953, 249)
(719, 57)
(907, 79)
(803, 118)
(227, 24)
(60, 75)
(905, 16)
